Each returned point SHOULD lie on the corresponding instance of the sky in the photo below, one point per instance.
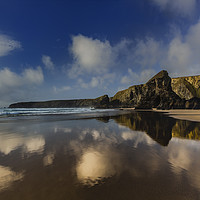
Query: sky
(72, 49)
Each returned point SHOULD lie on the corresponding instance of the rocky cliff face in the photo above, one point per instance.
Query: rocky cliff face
(160, 92)
(156, 93)
(186, 87)
(102, 102)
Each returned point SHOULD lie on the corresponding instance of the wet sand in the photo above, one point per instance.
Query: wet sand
(183, 114)
(191, 115)
(105, 155)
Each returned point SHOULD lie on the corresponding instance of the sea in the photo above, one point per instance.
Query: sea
(87, 154)
(10, 112)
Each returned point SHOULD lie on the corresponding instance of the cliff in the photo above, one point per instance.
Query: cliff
(186, 87)
(102, 102)
(156, 93)
(160, 92)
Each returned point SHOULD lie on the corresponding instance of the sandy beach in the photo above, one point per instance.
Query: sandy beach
(183, 114)
(91, 155)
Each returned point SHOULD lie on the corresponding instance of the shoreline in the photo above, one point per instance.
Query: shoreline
(182, 114)
(61, 117)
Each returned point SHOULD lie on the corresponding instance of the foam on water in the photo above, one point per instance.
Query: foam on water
(8, 112)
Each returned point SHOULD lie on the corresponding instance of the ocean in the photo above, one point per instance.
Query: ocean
(10, 112)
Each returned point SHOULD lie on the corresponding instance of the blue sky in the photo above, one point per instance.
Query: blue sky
(64, 49)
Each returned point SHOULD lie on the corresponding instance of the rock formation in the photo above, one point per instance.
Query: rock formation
(160, 92)
(186, 87)
(156, 93)
(102, 102)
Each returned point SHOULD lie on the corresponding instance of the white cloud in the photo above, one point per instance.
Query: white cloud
(33, 76)
(62, 89)
(47, 62)
(179, 53)
(149, 50)
(97, 81)
(182, 57)
(9, 79)
(7, 45)
(90, 55)
(98, 58)
(137, 78)
(83, 84)
(142, 57)
(193, 37)
(16, 87)
(183, 7)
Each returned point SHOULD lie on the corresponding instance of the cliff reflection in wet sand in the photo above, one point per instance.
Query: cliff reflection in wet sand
(186, 129)
(159, 127)
(131, 156)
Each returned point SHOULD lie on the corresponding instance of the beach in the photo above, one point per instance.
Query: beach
(183, 114)
(91, 155)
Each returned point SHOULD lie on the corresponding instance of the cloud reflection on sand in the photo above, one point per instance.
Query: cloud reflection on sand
(30, 144)
(48, 159)
(96, 153)
(7, 177)
(100, 154)
(93, 166)
(102, 159)
(138, 137)
(184, 158)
